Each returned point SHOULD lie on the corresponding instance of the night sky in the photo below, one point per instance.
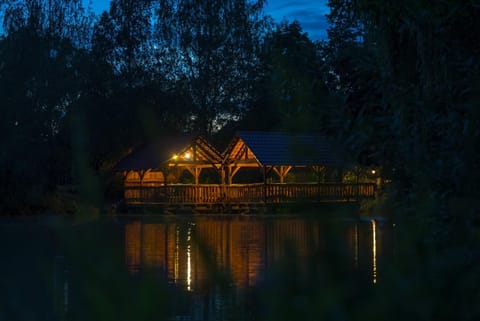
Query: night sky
(310, 13)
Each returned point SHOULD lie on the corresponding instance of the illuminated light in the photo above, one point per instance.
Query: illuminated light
(373, 171)
(187, 155)
(356, 246)
(374, 251)
(133, 246)
(175, 156)
(189, 262)
(176, 256)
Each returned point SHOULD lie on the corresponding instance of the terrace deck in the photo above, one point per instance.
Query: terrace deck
(210, 197)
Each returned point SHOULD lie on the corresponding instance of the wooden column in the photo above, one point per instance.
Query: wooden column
(164, 170)
(231, 172)
(197, 175)
(264, 184)
(222, 182)
(195, 171)
(223, 170)
(141, 174)
(282, 172)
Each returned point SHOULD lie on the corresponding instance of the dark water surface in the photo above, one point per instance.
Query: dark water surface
(190, 268)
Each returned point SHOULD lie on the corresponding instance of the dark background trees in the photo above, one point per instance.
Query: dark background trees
(41, 79)
(292, 94)
(215, 50)
(407, 72)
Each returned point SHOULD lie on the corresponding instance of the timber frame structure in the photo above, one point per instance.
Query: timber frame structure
(187, 172)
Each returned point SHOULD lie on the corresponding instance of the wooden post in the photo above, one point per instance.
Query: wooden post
(165, 183)
(232, 173)
(282, 172)
(223, 189)
(197, 174)
(265, 185)
(357, 174)
(141, 174)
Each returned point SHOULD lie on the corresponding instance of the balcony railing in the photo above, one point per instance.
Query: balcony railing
(247, 193)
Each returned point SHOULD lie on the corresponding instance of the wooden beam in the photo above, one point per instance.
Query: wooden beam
(279, 174)
(282, 172)
(195, 171)
(142, 173)
(222, 175)
(317, 169)
(197, 175)
(232, 172)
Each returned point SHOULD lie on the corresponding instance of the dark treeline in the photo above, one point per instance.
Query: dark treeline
(408, 76)
(397, 83)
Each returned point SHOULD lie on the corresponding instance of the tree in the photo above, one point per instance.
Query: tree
(293, 95)
(410, 87)
(129, 96)
(123, 38)
(216, 46)
(403, 80)
(40, 80)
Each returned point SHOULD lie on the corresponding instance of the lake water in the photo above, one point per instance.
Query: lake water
(190, 268)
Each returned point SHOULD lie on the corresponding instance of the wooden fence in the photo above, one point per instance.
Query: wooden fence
(247, 193)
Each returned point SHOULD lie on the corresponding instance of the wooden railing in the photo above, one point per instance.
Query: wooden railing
(284, 193)
(174, 194)
(247, 193)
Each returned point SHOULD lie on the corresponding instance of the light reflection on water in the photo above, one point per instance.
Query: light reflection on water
(374, 251)
(79, 272)
(245, 248)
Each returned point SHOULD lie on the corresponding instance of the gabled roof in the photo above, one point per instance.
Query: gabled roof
(162, 150)
(276, 148)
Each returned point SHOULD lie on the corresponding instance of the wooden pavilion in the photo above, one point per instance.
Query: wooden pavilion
(276, 155)
(170, 170)
(256, 169)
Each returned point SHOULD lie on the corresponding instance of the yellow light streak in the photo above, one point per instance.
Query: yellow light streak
(189, 261)
(176, 255)
(374, 251)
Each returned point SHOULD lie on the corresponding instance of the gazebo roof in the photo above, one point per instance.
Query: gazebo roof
(276, 148)
(162, 151)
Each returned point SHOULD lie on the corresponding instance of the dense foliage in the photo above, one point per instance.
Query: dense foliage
(408, 74)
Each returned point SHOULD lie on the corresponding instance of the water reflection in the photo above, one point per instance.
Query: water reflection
(227, 268)
(374, 251)
(187, 252)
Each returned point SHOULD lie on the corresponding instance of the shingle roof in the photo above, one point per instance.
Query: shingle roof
(154, 154)
(276, 148)
(270, 148)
